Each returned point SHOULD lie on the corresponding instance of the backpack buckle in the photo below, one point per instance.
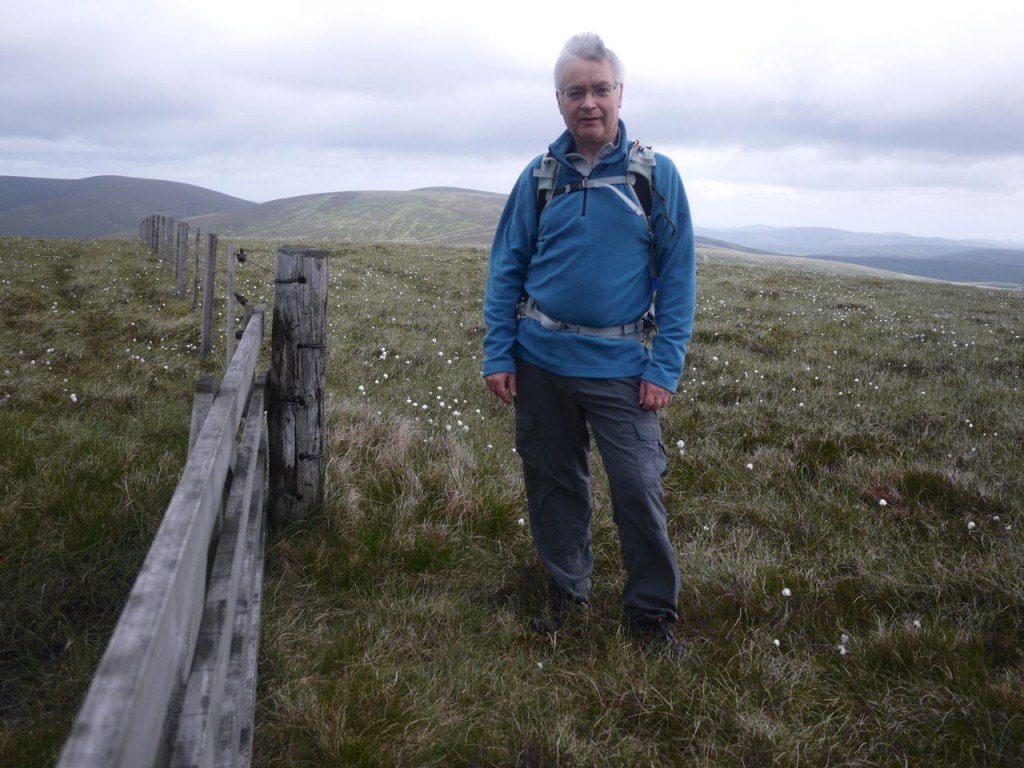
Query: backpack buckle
(650, 328)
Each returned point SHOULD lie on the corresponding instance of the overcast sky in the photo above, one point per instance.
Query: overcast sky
(875, 116)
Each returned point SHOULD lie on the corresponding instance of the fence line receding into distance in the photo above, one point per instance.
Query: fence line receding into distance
(176, 684)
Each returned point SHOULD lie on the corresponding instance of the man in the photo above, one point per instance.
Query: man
(569, 341)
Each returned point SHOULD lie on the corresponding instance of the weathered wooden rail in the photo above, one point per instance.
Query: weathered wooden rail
(176, 685)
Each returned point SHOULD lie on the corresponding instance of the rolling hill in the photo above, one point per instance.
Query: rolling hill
(436, 214)
(112, 206)
(99, 206)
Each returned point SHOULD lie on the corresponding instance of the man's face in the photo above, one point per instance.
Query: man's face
(593, 120)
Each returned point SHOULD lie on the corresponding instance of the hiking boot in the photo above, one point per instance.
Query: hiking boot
(657, 635)
(561, 605)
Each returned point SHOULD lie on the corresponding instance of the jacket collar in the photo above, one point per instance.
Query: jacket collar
(565, 144)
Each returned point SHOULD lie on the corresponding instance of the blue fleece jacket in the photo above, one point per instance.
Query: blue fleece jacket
(586, 260)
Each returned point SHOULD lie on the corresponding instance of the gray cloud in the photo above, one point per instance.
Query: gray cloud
(262, 101)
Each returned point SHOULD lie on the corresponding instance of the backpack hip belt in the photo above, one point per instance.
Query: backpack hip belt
(642, 330)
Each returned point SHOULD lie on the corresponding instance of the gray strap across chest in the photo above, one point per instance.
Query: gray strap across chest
(611, 182)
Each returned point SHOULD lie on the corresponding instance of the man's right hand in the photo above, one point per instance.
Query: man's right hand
(503, 385)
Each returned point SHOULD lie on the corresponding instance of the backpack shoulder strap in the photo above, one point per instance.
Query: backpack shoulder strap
(545, 174)
(639, 177)
(640, 172)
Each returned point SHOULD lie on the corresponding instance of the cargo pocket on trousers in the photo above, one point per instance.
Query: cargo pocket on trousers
(651, 451)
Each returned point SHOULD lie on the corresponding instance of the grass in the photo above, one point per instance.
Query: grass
(97, 371)
(844, 492)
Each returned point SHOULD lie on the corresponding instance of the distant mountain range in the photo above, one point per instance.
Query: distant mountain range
(113, 206)
(961, 261)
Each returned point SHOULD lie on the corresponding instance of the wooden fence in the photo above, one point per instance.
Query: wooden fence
(169, 688)
(170, 240)
(176, 684)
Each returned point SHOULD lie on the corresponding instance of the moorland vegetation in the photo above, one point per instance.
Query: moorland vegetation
(844, 490)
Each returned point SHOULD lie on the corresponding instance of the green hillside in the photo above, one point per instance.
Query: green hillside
(113, 206)
(432, 215)
(99, 206)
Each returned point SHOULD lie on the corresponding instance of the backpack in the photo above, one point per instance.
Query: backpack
(639, 178)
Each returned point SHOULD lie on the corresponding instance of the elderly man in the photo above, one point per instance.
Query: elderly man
(589, 307)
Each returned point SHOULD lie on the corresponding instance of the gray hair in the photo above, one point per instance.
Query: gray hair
(587, 45)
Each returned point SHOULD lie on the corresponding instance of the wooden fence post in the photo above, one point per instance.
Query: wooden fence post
(181, 267)
(295, 413)
(195, 273)
(206, 342)
(166, 239)
(229, 331)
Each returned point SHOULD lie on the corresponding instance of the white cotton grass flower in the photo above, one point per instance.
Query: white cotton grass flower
(776, 642)
(74, 398)
(971, 525)
(787, 592)
(750, 465)
(521, 522)
(844, 641)
(883, 503)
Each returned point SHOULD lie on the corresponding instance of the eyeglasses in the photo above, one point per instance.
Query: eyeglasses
(602, 91)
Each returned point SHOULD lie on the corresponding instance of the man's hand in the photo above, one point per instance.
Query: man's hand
(653, 397)
(503, 385)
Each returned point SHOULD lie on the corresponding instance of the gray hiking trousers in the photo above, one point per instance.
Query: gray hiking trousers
(552, 414)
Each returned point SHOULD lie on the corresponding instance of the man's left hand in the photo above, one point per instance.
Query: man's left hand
(653, 397)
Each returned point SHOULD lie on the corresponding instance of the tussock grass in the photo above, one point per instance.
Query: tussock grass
(845, 504)
(809, 400)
